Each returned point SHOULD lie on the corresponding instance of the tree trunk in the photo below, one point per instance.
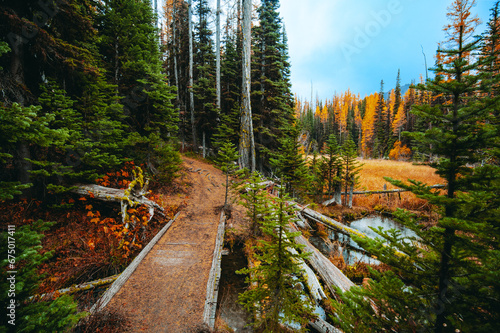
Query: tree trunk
(22, 154)
(337, 196)
(191, 93)
(22, 163)
(204, 146)
(174, 42)
(247, 143)
(217, 55)
(351, 190)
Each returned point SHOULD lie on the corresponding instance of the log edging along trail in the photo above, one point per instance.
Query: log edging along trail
(125, 275)
(214, 276)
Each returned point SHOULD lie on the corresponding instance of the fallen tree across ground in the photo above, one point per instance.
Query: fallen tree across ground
(329, 273)
(330, 201)
(76, 288)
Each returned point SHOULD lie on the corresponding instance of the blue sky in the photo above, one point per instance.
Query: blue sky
(341, 44)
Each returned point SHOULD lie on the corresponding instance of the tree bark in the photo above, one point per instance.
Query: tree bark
(247, 143)
(114, 195)
(217, 55)
(191, 83)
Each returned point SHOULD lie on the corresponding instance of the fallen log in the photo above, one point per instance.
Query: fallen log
(124, 276)
(311, 280)
(314, 215)
(331, 223)
(113, 195)
(302, 222)
(330, 201)
(331, 275)
(323, 327)
(76, 288)
(214, 276)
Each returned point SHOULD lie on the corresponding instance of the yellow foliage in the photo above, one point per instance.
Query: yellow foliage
(400, 153)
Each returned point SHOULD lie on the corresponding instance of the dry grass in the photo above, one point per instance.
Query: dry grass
(372, 178)
(373, 173)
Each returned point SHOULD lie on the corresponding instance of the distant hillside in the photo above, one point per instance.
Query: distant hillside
(404, 89)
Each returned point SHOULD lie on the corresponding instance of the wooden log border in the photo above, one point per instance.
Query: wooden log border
(124, 276)
(210, 308)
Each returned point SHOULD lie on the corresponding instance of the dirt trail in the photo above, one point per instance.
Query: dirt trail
(167, 291)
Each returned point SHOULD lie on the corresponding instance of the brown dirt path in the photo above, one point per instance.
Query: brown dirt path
(167, 291)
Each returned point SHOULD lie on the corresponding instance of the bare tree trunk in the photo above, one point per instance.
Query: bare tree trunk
(191, 94)
(217, 55)
(176, 69)
(174, 42)
(117, 68)
(247, 143)
(22, 153)
(351, 195)
(204, 146)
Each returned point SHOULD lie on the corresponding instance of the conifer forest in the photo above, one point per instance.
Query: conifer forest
(159, 173)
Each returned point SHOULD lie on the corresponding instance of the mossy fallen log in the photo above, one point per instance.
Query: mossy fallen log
(113, 195)
(76, 288)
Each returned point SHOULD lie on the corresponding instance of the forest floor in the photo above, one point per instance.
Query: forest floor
(167, 291)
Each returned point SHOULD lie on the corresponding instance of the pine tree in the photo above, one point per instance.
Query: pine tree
(272, 101)
(331, 167)
(290, 166)
(380, 142)
(42, 42)
(28, 315)
(276, 299)
(226, 159)
(350, 169)
(395, 107)
(205, 97)
(130, 44)
(228, 129)
(256, 202)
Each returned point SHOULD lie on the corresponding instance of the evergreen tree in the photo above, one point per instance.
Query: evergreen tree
(204, 86)
(45, 41)
(30, 316)
(226, 159)
(331, 167)
(228, 128)
(256, 203)
(392, 135)
(380, 142)
(350, 169)
(272, 101)
(129, 44)
(290, 166)
(276, 299)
